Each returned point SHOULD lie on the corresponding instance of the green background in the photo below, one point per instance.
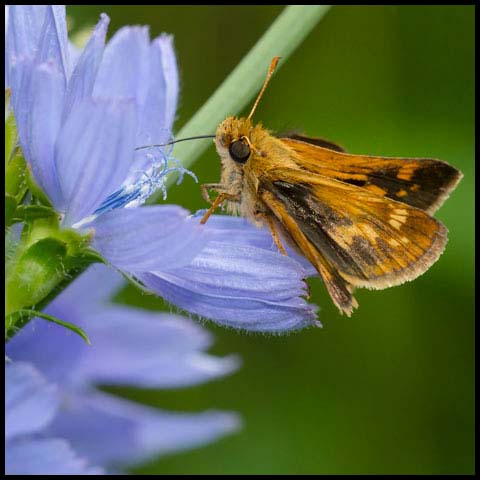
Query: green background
(390, 390)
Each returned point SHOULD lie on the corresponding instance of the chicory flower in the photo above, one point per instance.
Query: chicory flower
(30, 405)
(79, 124)
(52, 377)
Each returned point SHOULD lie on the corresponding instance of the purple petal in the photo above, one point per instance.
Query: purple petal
(53, 44)
(239, 286)
(44, 343)
(75, 53)
(53, 349)
(106, 429)
(83, 78)
(170, 72)
(132, 67)
(37, 97)
(25, 23)
(238, 230)
(146, 349)
(23, 32)
(93, 153)
(148, 238)
(30, 402)
(44, 457)
(158, 109)
(99, 283)
(124, 67)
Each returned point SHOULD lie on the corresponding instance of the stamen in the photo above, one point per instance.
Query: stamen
(141, 184)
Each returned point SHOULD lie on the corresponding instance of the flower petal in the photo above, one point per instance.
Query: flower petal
(53, 45)
(99, 283)
(170, 72)
(124, 67)
(238, 230)
(106, 429)
(239, 286)
(45, 457)
(160, 103)
(135, 68)
(157, 109)
(148, 238)
(44, 343)
(53, 349)
(83, 78)
(37, 97)
(93, 153)
(171, 351)
(30, 402)
(23, 32)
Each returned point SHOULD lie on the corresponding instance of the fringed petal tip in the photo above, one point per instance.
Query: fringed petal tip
(238, 280)
(245, 313)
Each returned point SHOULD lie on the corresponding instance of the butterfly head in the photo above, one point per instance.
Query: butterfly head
(233, 139)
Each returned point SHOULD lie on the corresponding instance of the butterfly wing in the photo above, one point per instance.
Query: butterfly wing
(420, 182)
(353, 237)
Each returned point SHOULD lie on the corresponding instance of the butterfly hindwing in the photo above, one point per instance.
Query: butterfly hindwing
(339, 289)
(371, 241)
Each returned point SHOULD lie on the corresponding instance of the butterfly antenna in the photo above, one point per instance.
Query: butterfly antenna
(273, 65)
(175, 141)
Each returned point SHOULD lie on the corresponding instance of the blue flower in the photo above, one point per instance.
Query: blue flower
(79, 124)
(240, 280)
(52, 376)
(30, 405)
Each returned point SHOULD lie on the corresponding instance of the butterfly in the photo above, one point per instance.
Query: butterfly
(363, 221)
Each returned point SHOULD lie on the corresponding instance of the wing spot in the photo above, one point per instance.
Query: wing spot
(405, 173)
(399, 218)
(401, 193)
(394, 223)
(393, 243)
(375, 189)
(405, 240)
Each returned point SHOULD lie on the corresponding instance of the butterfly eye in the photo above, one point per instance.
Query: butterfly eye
(239, 151)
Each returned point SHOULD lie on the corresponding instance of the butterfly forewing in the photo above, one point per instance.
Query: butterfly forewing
(420, 182)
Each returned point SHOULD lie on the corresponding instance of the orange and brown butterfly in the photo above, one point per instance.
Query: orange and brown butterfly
(362, 221)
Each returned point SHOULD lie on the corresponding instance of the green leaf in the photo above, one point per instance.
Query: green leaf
(35, 189)
(16, 175)
(38, 270)
(10, 206)
(15, 321)
(27, 213)
(10, 128)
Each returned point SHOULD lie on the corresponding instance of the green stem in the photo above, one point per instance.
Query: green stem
(284, 35)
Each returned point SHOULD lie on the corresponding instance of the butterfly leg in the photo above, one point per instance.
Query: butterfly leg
(275, 235)
(221, 198)
(213, 186)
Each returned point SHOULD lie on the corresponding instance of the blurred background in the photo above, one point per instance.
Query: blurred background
(390, 390)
